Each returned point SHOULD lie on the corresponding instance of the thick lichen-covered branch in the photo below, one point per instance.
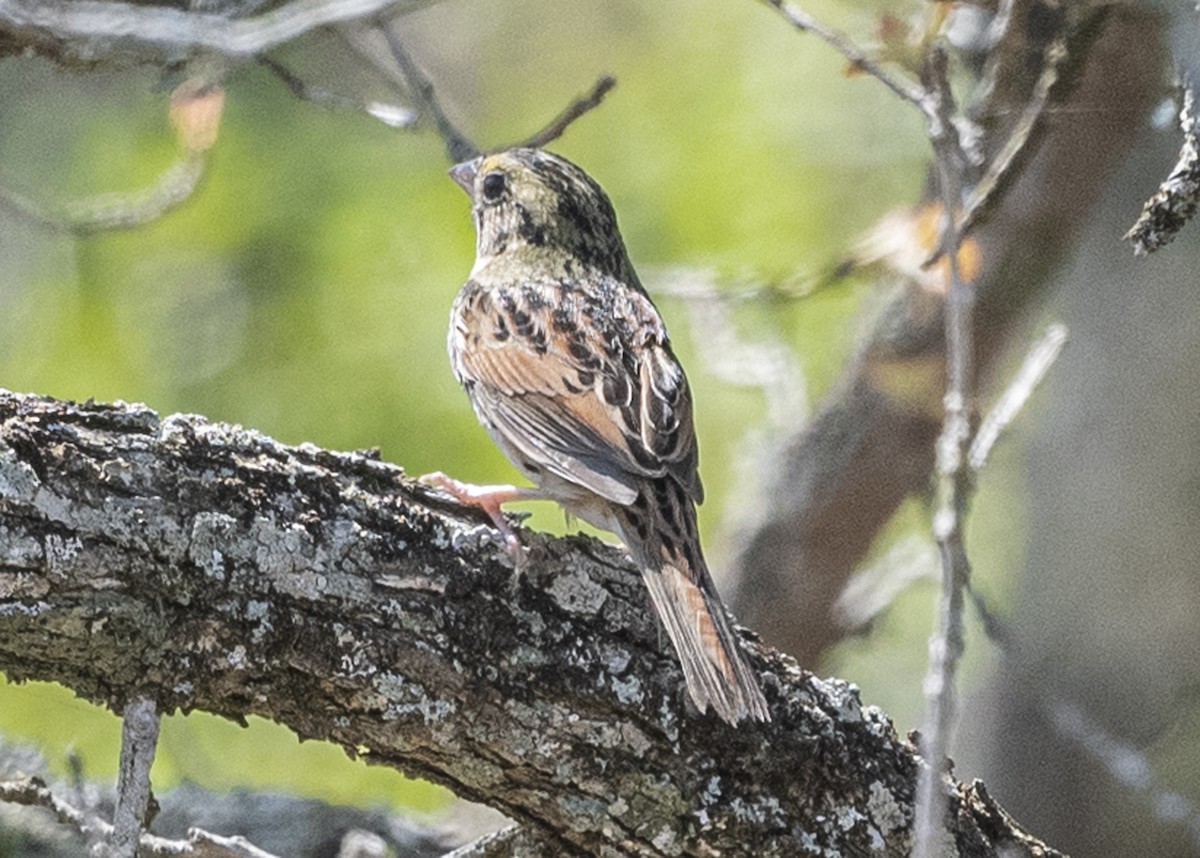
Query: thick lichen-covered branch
(208, 567)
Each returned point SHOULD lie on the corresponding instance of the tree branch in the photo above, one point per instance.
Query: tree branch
(139, 741)
(208, 567)
(837, 483)
(32, 792)
(1174, 203)
(91, 30)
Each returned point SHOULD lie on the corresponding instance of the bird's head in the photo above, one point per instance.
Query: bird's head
(539, 206)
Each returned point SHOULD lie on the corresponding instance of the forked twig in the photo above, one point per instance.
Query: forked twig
(954, 478)
(983, 195)
(458, 147)
(33, 792)
(418, 86)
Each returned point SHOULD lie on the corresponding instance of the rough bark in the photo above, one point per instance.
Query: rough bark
(209, 567)
(92, 34)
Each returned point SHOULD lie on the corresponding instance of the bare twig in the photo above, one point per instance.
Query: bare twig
(168, 27)
(418, 86)
(1037, 363)
(1174, 204)
(139, 740)
(762, 363)
(458, 147)
(115, 211)
(691, 284)
(33, 792)
(946, 647)
(205, 844)
(390, 114)
(573, 111)
(908, 90)
(875, 587)
(996, 31)
(985, 192)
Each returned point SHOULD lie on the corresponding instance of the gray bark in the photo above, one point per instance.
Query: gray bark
(208, 567)
(110, 33)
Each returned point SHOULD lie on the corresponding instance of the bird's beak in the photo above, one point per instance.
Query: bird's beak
(464, 175)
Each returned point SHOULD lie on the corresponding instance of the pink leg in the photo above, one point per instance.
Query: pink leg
(489, 499)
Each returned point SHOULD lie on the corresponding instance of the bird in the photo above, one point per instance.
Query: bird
(568, 366)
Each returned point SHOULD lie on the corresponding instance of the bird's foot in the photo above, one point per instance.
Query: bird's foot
(489, 499)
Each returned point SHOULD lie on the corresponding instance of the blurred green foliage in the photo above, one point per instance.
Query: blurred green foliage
(304, 290)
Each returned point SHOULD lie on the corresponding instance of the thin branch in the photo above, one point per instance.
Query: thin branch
(509, 842)
(139, 740)
(167, 27)
(761, 363)
(392, 115)
(946, 647)
(205, 844)
(1165, 213)
(458, 147)
(906, 89)
(33, 792)
(1037, 363)
(573, 111)
(997, 29)
(416, 85)
(985, 193)
(114, 211)
(693, 284)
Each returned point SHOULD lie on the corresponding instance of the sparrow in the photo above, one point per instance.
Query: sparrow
(569, 368)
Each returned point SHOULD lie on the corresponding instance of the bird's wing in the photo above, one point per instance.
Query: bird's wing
(603, 404)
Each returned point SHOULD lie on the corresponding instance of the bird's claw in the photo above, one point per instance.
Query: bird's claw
(489, 499)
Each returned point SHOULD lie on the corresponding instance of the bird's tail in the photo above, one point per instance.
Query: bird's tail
(661, 533)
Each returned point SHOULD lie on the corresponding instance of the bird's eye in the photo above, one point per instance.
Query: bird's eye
(494, 185)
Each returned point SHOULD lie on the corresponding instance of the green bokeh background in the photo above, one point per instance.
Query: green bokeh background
(304, 290)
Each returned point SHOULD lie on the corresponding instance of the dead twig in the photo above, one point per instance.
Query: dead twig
(954, 478)
(169, 28)
(458, 147)
(139, 740)
(1037, 363)
(33, 792)
(1000, 167)
(114, 211)
(577, 108)
(908, 90)
(1174, 204)
(392, 115)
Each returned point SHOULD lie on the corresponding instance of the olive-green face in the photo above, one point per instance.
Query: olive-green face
(528, 199)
